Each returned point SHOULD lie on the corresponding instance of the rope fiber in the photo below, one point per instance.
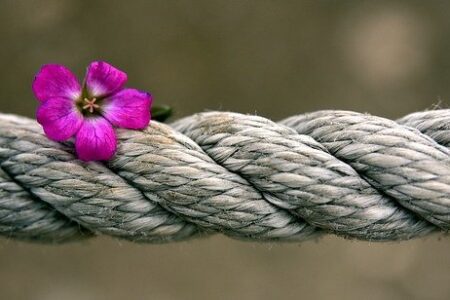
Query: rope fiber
(327, 172)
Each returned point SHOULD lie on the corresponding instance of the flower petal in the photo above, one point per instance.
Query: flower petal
(95, 140)
(60, 118)
(55, 81)
(102, 79)
(128, 108)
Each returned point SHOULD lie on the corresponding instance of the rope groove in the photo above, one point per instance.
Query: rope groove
(344, 173)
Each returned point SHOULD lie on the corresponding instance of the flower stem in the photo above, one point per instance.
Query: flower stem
(161, 113)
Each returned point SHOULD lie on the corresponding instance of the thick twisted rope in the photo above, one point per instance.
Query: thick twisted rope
(345, 173)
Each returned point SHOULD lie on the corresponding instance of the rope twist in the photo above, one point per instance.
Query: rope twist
(350, 174)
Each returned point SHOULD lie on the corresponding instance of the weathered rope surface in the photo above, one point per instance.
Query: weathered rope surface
(345, 173)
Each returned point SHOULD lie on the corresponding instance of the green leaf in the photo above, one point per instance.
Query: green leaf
(161, 113)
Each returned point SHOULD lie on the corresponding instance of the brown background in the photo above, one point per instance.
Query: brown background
(273, 58)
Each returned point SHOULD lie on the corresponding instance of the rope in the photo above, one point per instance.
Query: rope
(345, 173)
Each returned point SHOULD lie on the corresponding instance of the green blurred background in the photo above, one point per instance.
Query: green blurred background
(273, 58)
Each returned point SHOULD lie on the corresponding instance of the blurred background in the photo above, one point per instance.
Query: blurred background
(272, 58)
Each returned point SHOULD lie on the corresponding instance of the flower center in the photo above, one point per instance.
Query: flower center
(90, 104)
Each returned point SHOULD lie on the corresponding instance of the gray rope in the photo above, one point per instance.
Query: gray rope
(345, 173)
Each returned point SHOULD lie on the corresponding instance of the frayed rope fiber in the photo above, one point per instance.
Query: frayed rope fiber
(345, 173)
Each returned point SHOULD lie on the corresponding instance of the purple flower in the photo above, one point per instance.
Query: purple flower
(89, 112)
